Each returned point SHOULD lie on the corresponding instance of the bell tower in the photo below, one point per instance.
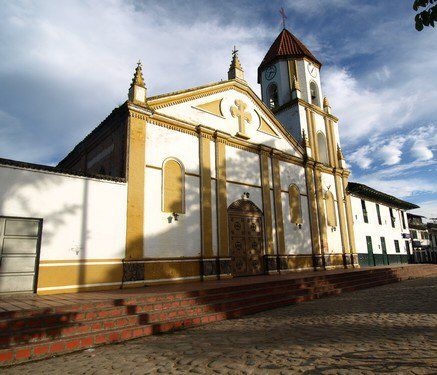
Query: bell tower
(289, 71)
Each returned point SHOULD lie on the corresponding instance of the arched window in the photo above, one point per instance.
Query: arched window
(173, 189)
(272, 92)
(323, 148)
(295, 207)
(330, 210)
(314, 93)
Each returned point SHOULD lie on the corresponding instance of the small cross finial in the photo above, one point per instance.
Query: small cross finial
(284, 17)
(234, 51)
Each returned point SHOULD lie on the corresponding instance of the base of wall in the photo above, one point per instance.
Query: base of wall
(366, 260)
(93, 275)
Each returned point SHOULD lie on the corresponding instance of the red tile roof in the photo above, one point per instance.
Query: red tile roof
(286, 45)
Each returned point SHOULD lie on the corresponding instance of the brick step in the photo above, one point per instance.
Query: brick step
(80, 342)
(169, 297)
(144, 304)
(31, 335)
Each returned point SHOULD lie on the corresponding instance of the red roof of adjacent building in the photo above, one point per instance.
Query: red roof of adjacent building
(286, 45)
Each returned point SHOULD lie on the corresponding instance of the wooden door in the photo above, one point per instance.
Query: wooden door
(370, 251)
(246, 244)
(384, 251)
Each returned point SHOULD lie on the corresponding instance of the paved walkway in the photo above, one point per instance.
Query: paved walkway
(386, 330)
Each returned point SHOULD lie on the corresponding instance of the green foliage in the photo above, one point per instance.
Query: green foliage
(426, 16)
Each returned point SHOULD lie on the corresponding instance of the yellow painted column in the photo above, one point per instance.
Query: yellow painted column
(342, 217)
(312, 133)
(135, 185)
(314, 226)
(279, 218)
(222, 198)
(330, 143)
(321, 211)
(205, 193)
(350, 224)
(266, 199)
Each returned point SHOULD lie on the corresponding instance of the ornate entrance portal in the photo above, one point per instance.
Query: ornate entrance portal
(245, 238)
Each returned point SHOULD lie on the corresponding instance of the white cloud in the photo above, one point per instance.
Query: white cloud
(361, 157)
(70, 65)
(363, 110)
(390, 150)
(420, 150)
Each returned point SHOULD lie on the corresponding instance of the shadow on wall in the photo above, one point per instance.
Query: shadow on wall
(26, 193)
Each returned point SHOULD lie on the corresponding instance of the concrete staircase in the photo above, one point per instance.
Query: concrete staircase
(31, 334)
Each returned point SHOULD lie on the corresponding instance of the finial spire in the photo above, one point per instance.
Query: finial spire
(137, 90)
(326, 105)
(283, 16)
(235, 70)
(138, 75)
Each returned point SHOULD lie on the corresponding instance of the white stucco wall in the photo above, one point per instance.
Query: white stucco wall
(165, 237)
(83, 218)
(297, 240)
(375, 230)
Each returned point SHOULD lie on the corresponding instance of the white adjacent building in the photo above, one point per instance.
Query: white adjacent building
(381, 228)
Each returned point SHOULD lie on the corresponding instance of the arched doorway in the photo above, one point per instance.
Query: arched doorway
(245, 238)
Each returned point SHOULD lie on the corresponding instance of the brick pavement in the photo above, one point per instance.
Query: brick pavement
(390, 329)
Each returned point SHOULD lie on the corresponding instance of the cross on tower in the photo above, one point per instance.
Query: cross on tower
(284, 17)
(234, 51)
(239, 112)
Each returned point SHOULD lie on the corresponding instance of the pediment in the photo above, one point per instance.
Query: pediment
(231, 107)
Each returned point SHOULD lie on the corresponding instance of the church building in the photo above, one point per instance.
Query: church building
(210, 182)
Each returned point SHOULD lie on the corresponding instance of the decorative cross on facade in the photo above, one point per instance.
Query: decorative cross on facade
(284, 17)
(239, 112)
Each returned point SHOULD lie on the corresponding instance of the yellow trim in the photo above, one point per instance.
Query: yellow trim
(48, 262)
(173, 183)
(279, 217)
(213, 108)
(341, 214)
(264, 127)
(349, 217)
(86, 277)
(321, 211)
(79, 274)
(314, 227)
(222, 200)
(202, 91)
(135, 187)
(267, 203)
(205, 195)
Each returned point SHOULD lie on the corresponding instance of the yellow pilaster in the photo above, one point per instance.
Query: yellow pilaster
(314, 227)
(349, 219)
(267, 204)
(312, 133)
(222, 206)
(135, 185)
(321, 211)
(205, 192)
(342, 217)
(330, 140)
(279, 219)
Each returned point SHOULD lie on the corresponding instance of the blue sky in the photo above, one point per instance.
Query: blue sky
(66, 65)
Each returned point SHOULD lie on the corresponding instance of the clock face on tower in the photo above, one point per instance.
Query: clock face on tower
(270, 72)
(312, 69)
